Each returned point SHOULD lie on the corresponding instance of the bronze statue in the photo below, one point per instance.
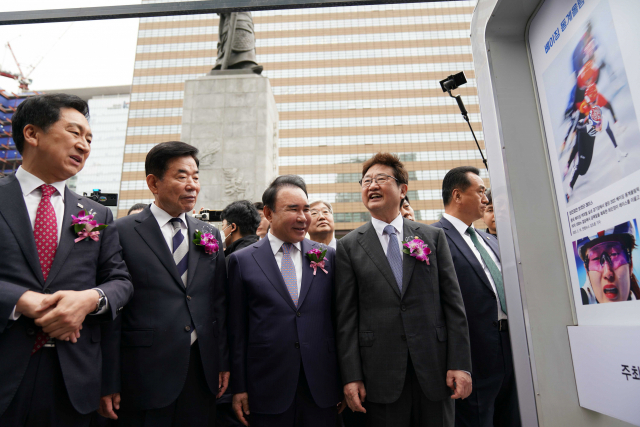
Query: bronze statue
(236, 43)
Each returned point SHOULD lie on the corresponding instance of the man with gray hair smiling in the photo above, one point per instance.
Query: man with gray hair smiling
(322, 227)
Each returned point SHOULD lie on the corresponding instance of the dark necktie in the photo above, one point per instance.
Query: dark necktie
(288, 270)
(394, 255)
(180, 249)
(491, 265)
(45, 232)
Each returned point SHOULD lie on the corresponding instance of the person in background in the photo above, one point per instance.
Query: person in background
(406, 210)
(263, 228)
(476, 257)
(322, 228)
(489, 217)
(137, 208)
(240, 220)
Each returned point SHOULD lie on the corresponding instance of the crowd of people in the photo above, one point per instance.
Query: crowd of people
(160, 319)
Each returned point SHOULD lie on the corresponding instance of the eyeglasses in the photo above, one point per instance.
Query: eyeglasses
(380, 179)
(314, 212)
(611, 253)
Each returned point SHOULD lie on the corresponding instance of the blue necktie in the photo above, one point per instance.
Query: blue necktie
(288, 270)
(394, 255)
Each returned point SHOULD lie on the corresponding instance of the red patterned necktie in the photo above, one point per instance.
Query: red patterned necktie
(45, 232)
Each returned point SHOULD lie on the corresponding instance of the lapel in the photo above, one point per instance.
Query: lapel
(150, 232)
(408, 262)
(368, 239)
(492, 242)
(67, 236)
(14, 212)
(463, 247)
(307, 271)
(194, 251)
(267, 263)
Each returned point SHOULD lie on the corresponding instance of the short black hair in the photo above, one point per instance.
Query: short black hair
(43, 111)
(158, 158)
(244, 215)
(489, 196)
(259, 206)
(404, 199)
(270, 194)
(137, 207)
(457, 178)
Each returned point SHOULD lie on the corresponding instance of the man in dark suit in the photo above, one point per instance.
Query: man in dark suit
(55, 286)
(173, 343)
(476, 257)
(402, 332)
(283, 360)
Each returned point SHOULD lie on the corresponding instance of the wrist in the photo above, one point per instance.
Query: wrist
(93, 299)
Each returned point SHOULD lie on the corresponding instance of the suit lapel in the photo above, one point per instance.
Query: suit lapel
(408, 262)
(67, 236)
(368, 239)
(267, 263)
(307, 271)
(151, 234)
(14, 212)
(194, 251)
(466, 251)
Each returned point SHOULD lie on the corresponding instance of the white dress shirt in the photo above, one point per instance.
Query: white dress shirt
(166, 227)
(384, 238)
(30, 186)
(462, 229)
(333, 243)
(296, 256)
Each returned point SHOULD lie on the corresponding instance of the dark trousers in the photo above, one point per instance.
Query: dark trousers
(303, 411)
(42, 399)
(494, 400)
(412, 409)
(194, 407)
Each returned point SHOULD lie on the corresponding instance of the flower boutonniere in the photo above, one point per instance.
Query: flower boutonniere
(417, 249)
(86, 227)
(316, 256)
(207, 241)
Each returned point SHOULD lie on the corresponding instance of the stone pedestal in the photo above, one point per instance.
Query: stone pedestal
(233, 121)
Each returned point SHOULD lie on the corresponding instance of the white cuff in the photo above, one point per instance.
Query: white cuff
(14, 314)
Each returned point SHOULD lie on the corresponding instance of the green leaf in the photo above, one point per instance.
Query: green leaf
(78, 228)
(100, 227)
(406, 251)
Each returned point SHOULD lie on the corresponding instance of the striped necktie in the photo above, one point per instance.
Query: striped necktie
(180, 249)
(394, 255)
(288, 270)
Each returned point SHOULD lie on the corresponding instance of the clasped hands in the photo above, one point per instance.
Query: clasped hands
(60, 315)
(458, 381)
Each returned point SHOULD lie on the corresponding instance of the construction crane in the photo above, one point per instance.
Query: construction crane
(23, 81)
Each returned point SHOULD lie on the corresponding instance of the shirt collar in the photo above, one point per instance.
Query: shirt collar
(163, 217)
(380, 225)
(29, 183)
(276, 243)
(457, 223)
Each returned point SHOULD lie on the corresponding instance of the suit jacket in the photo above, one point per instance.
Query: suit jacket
(379, 328)
(154, 342)
(479, 298)
(76, 267)
(270, 337)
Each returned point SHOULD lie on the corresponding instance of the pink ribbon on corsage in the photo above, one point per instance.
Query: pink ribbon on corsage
(84, 234)
(320, 265)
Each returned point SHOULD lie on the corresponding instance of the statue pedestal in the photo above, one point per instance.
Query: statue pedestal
(233, 120)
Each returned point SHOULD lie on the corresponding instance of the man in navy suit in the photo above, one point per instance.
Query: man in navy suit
(55, 287)
(476, 258)
(284, 370)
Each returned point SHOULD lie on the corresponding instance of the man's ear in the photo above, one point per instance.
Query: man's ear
(404, 188)
(456, 195)
(268, 213)
(152, 183)
(30, 133)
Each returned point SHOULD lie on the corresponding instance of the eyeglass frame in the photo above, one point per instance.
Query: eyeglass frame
(375, 178)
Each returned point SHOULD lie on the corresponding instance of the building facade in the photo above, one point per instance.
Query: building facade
(348, 81)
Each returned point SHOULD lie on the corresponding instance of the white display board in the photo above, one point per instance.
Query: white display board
(587, 71)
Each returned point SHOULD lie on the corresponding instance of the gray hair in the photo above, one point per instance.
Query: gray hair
(327, 204)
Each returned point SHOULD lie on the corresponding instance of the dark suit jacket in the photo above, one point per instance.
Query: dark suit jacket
(378, 329)
(270, 337)
(76, 267)
(154, 343)
(479, 298)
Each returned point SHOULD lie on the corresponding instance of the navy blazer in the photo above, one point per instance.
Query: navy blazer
(479, 298)
(76, 267)
(270, 337)
(153, 341)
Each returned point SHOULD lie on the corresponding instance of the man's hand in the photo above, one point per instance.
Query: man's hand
(460, 383)
(108, 404)
(29, 303)
(223, 383)
(355, 394)
(69, 310)
(240, 405)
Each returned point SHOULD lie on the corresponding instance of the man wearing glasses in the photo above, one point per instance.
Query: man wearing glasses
(322, 227)
(403, 343)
